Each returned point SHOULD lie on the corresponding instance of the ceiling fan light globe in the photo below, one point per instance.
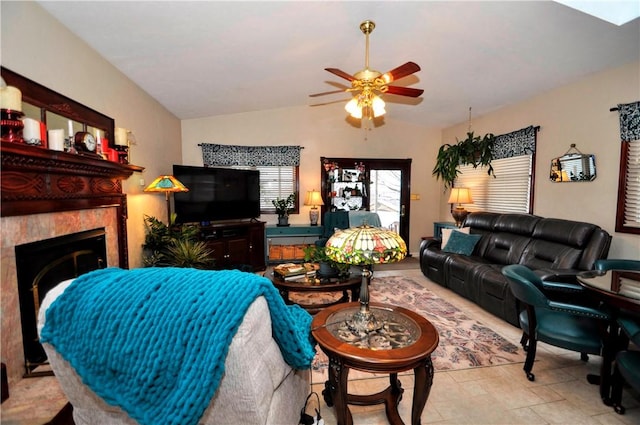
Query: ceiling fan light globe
(353, 108)
(377, 105)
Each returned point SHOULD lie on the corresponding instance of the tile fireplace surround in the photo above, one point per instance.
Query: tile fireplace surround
(46, 194)
(31, 228)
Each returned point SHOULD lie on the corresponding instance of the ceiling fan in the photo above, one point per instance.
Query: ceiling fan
(367, 82)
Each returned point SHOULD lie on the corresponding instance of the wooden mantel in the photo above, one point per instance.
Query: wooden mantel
(36, 180)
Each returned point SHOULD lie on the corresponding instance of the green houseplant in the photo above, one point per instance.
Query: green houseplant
(328, 267)
(174, 246)
(284, 207)
(474, 150)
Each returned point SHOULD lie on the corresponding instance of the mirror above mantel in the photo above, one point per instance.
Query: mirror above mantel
(56, 110)
(573, 166)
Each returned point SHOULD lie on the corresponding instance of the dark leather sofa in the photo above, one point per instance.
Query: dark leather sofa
(555, 249)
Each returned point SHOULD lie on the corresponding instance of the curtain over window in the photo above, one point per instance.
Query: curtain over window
(510, 191)
(214, 155)
(628, 211)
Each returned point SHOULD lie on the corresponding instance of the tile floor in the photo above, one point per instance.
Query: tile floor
(501, 394)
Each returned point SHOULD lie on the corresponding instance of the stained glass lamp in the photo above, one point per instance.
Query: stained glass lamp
(166, 184)
(365, 246)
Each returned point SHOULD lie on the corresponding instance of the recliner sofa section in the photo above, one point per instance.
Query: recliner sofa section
(555, 249)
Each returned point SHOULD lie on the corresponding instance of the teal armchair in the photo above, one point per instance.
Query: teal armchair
(572, 327)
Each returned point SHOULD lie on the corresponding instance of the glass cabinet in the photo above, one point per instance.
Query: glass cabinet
(345, 185)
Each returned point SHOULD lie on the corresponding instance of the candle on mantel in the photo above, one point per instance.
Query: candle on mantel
(121, 137)
(10, 98)
(70, 128)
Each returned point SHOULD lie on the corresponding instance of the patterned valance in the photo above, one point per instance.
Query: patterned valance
(629, 121)
(251, 156)
(516, 143)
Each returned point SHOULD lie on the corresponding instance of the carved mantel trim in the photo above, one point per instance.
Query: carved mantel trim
(36, 180)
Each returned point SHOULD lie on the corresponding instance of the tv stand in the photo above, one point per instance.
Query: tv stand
(236, 244)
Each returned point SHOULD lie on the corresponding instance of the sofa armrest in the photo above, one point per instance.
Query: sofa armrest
(430, 242)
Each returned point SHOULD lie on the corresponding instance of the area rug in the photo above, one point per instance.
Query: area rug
(464, 342)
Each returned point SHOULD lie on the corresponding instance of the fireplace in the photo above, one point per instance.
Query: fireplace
(47, 194)
(43, 264)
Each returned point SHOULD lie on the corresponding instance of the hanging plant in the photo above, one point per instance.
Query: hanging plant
(474, 150)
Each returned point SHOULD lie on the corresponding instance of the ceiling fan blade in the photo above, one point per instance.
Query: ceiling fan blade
(326, 92)
(404, 91)
(340, 73)
(401, 71)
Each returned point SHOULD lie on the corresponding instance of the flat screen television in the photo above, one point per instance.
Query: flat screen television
(216, 194)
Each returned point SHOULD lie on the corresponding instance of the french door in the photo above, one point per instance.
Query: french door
(378, 185)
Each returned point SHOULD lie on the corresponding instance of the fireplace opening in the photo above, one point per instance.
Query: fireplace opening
(41, 265)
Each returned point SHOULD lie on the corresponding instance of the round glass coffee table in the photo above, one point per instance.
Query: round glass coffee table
(405, 341)
(350, 288)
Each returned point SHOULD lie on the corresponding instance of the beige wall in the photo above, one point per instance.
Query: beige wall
(54, 57)
(323, 131)
(577, 113)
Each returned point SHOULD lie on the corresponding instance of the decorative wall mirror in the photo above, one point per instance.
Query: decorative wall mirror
(573, 166)
(57, 110)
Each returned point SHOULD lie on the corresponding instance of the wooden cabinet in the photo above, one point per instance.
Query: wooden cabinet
(236, 244)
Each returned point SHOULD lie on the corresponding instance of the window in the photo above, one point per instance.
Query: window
(277, 182)
(508, 192)
(628, 214)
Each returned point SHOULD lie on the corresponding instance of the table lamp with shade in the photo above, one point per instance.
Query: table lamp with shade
(166, 184)
(365, 246)
(459, 196)
(314, 199)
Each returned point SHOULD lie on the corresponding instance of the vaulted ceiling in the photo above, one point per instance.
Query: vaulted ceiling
(209, 58)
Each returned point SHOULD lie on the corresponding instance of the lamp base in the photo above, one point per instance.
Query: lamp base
(459, 214)
(363, 322)
(314, 215)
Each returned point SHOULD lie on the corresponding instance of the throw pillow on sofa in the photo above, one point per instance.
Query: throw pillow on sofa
(461, 243)
(446, 234)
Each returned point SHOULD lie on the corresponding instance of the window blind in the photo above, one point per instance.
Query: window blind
(632, 187)
(628, 211)
(508, 192)
(275, 182)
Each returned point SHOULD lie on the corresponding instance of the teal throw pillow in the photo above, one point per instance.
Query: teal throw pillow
(461, 243)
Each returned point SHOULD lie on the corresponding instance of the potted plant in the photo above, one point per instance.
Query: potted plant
(474, 150)
(174, 246)
(283, 208)
(328, 267)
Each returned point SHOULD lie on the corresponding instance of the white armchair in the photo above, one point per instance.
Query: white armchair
(258, 386)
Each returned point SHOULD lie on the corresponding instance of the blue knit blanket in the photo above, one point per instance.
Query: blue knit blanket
(154, 340)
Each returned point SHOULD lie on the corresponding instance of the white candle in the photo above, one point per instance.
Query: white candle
(70, 128)
(31, 131)
(10, 98)
(121, 136)
(56, 139)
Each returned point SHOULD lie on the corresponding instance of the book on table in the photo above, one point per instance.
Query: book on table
(288, 271)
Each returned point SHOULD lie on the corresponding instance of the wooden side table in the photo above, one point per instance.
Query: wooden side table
(405, 342)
